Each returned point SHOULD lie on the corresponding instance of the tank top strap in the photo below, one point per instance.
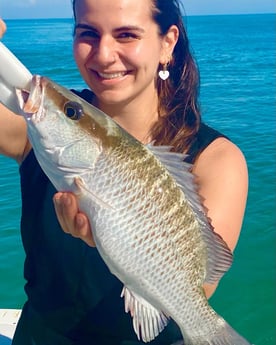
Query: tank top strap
(205, 136)
(85, 94)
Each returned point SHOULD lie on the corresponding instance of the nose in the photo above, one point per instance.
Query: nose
(105, 52)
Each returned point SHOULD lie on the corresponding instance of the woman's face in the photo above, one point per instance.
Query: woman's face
(118, 48)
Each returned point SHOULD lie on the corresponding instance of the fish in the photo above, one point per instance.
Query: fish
(148, 222)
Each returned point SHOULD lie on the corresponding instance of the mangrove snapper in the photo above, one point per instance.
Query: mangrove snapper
(147, 219)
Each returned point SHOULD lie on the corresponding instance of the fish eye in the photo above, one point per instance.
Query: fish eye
(73, 110)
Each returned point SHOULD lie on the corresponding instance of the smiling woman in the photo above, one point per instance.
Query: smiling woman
(129, 51)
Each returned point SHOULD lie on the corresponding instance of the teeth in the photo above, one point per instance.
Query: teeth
(111, 75)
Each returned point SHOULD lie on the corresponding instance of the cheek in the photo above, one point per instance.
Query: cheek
(81, 53)
(145, 57)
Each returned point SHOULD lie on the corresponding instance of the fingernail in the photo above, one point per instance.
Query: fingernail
(79, 221)
(66, 200)
(56, 200)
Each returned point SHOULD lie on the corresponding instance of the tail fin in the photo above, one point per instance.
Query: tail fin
(226, 335)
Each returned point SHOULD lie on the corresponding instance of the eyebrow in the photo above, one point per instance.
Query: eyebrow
(84, 26)
(130, 28)
(122, 28)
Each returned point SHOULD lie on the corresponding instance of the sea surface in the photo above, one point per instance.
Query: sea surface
(236, 57)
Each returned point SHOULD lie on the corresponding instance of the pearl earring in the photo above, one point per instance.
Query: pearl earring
(164, 73)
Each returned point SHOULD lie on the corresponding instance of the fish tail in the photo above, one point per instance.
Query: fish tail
(225, 335)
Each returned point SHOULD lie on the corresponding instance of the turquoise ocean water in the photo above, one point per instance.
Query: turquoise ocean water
(236, 56)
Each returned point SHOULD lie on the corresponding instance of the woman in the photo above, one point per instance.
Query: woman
(135, 57)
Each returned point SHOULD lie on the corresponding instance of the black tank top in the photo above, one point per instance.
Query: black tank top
(72, 296)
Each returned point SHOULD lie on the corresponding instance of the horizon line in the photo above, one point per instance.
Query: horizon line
(184, 15)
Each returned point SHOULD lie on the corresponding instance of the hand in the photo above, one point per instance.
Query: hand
(3, 28)
(71, 219)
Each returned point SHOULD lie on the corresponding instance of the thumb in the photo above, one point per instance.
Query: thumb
(3, 28)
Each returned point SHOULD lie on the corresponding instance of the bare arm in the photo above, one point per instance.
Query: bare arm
(222, 176)
(13, 131)
(13, 135)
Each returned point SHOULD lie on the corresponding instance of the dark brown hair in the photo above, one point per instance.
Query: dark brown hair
(178, 106)
(178, 96)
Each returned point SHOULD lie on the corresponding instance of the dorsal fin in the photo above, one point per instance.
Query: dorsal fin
(219, 256)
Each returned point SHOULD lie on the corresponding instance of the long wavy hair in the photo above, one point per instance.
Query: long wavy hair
(179, 110)
(179, 113)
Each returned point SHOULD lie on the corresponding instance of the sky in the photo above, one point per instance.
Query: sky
(23, 9)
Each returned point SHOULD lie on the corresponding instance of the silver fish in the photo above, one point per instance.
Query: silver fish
(147, 219)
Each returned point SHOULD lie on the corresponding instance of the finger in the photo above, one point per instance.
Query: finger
(71, 220)
(3, 28)
(66, 209)
(83, 229)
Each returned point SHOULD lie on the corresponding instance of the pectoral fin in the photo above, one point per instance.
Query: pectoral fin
(81, 187)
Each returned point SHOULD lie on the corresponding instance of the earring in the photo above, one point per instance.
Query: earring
(164, 73)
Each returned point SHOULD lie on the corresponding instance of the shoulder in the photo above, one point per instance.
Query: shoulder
(216, 154)
(202, 139)
(222, 177)
(221, 156)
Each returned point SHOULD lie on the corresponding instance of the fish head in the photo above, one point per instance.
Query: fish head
(67, 133)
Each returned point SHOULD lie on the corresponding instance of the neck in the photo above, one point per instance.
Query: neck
(138, 125)
(136, 119)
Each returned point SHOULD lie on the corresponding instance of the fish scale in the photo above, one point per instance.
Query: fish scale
(129, 227)
(147, 219)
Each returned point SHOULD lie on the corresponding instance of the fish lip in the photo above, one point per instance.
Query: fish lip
(29, 101)
(22, 97)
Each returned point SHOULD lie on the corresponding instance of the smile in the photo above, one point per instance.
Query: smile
(112, 75)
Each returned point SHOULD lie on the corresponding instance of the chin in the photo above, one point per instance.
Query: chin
(113, 98)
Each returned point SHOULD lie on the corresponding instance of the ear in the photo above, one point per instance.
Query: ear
(168, 43)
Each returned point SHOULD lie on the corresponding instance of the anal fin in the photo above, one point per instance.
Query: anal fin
(147, 321)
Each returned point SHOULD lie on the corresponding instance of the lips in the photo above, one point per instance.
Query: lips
(112, 75)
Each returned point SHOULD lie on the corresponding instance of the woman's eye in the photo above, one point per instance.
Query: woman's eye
(128, 36)
(86, 35)
(89, 33)
(73, 110)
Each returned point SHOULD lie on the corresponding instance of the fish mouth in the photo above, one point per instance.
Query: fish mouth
(29, 100)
